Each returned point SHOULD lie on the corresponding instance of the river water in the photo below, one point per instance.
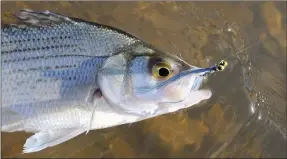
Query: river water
(246, 116)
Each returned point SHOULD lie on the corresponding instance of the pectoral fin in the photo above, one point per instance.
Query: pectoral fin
(44, 139)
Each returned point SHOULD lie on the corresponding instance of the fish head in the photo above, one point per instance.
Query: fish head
(148, 82)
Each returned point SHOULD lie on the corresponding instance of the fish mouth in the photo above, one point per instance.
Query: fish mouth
(195, 87)
(189, 99)
(193, 97)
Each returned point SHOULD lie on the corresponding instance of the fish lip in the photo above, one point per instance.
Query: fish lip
(186, 104)
(196, 85)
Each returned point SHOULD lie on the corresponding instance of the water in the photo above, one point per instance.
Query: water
(246, 117)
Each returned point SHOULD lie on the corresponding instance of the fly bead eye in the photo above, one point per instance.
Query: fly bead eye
(221, 66)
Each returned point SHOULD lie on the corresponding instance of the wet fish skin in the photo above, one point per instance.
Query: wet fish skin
(52, 67)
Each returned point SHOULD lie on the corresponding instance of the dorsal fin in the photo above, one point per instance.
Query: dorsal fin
(27, 17)
(45, 18)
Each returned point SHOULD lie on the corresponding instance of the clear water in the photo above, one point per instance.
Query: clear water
(246, 117)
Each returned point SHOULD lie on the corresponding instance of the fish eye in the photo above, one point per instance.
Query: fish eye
(161, 70)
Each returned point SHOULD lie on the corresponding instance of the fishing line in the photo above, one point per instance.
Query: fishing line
(243, 49)
(223, 63)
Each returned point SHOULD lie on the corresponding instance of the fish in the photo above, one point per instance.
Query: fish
(64, 76)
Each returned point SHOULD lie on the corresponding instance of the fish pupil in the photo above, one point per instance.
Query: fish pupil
(163, 72)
